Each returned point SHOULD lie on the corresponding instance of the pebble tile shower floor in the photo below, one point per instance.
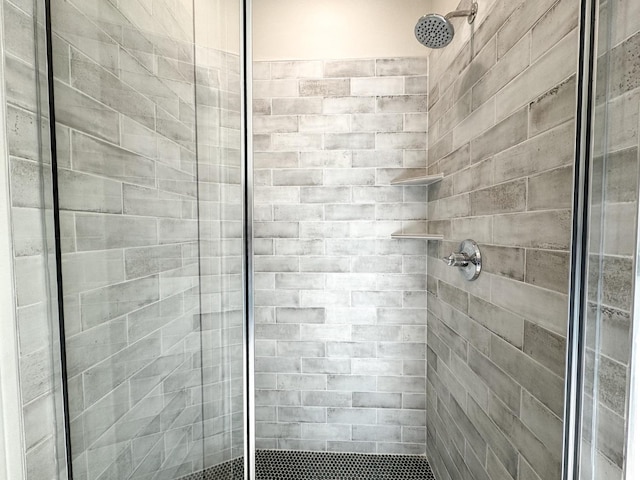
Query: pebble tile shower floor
(292, 465)
(231, 470)
(295, 465)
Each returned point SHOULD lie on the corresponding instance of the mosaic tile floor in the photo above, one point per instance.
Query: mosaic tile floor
(231, 470)
(294, 465)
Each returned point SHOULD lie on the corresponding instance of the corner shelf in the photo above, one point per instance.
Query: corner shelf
(421, 236)
(418, 180)
(421, 180)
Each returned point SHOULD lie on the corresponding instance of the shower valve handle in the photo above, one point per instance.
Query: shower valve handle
(457, 259)
(468, 259)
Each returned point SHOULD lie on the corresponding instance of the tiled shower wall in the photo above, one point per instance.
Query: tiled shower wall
(501, 129)
(340, 306)
(32, 228)
(124, 98)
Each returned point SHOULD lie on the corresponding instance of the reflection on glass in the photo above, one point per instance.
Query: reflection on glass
(614, 194)
(149, 168)
(218, 91)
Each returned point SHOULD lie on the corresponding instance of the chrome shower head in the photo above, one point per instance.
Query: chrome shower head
(435, 31)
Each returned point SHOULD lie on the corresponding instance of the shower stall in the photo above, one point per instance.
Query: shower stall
(226, 223)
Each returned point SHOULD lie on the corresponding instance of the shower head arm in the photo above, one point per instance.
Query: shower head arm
(459, 13)
(470, 14)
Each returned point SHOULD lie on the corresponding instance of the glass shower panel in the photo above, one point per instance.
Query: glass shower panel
(28, 144)
(221, 197)
(127, 166)
(614, 202)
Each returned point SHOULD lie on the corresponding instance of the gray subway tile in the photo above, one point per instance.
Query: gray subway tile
(93, 156)
(349, 68)
(297, 177)
(388, 433)
(552, 227)
(545, 425)
(99, 232)
(324, 123)
(376, 123)
(501, 322)
(540, 382)
(416, 84)
(351, 382)
(547, 463)
(324, 88)
(401, 140)
(497, 381)
(25, 178)
(549, 70)
(296, 69)
(401, 103)
(326, 432)
(275, 124)
(349, 141)
(296, 106)
(548, 269)
(543, 152)
(327, 366)
(265, 89)
(377, 86)
(503, 135)
(145, 261)
(553, 107)
(506, 261)
(377, 400)
(544, 307)
(504, 198)
(401, 66)
(506, 69)
(550, 190)
(506, 453)
(22, 133)
(350, 105)
(93, 80)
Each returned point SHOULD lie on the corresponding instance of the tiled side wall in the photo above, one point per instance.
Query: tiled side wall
(501, 129)
(340, 306)
(124, 98)
(612, 242)
(32, 229)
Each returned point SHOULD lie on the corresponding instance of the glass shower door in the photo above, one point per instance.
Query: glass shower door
(148, 142)
(221, 205)
(612, 248)
(124, 106)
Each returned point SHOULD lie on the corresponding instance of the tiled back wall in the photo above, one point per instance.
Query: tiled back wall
(340, 306)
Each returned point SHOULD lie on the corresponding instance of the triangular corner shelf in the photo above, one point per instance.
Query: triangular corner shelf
(420, 180)
(422, 236)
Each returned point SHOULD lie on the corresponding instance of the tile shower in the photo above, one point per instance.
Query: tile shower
(372, 357)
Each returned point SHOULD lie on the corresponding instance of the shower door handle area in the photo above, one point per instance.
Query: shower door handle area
(468, 259)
